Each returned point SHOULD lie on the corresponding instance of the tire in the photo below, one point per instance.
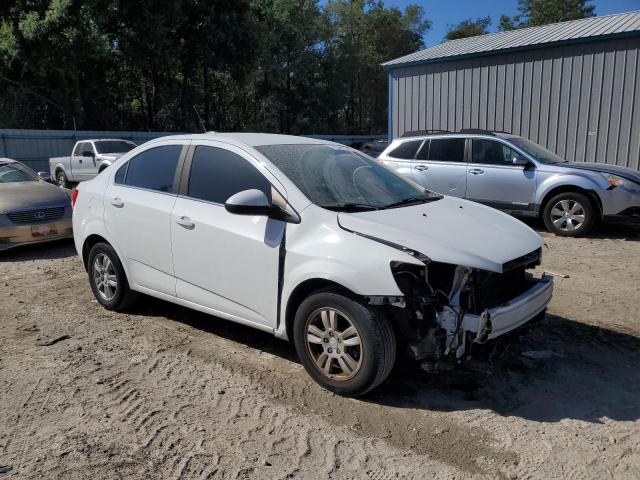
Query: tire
(569, 214)
(374, 356)
(61, 180)
(120, 295)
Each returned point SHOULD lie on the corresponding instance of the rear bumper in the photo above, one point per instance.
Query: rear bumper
(22, 234)
(507, 317)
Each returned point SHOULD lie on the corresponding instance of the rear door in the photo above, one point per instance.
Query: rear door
(225, 262)
(138, 206)
(440, 166)
(494, 180)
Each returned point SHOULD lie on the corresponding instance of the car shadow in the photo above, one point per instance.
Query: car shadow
(42, 251)
(559, 369)
(614, 229)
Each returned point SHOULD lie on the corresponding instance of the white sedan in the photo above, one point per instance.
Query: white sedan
(311, 241)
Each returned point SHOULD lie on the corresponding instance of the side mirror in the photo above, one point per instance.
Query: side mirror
(520, 161)
(44, 176)
(88, 153)
(255, 202)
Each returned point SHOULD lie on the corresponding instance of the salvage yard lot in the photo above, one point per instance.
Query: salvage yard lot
(165, 392)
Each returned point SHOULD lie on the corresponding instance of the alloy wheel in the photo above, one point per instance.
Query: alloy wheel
(568, 215)
(104, 277)
(334, 344)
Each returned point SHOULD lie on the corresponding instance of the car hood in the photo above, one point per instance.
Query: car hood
(25, 195)
(449, 230)
(623, 172)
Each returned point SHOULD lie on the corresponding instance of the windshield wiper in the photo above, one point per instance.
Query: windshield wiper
(356, 207)
(411, 201)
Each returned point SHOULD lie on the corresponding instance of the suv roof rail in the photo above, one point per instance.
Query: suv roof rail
(418, 133)
(477, 130)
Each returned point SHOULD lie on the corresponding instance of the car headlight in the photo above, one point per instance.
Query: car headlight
(616, 181)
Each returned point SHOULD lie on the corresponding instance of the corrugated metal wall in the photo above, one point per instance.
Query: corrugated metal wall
(581, 100)
(35, 147)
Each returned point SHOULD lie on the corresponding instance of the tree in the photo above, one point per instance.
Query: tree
(542, 12)
(468, 28)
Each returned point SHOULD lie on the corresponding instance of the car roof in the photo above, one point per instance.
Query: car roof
(104, 140)
(250, 139)
(461, 133)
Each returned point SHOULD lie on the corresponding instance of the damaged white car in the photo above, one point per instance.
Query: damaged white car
(311, 241)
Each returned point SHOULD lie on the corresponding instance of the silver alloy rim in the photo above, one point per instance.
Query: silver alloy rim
(334, 344)
(104, 277)
(60, 181)
(568, 215)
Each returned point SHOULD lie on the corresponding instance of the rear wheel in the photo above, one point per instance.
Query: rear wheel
(569, 214)
(344, 345)
(61, 180)
(107, 278)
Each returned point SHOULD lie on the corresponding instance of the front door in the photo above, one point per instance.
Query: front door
(81, 163)
(137, 213)
(494, 180)
(440, 166)
(227, 263)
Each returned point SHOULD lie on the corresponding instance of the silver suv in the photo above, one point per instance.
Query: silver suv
(516, 175)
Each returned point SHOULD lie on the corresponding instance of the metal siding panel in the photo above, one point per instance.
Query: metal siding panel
(563, 106)
(509, 80)
(491, 97)
(444, 96)
(574, 107)
(535, 106)
(468, 98)
(527, 94)
(545, 101)
(429, 118)
(483, 93)
(615, 116)
(500, 96)
(634, 129)
(554, 103)
(396, 105)
(453, 92)
(592, 132)
(627, 108)
(415, 101)
(475, 97)
(423, 101)
(518, 88)
(460, 75)
(605, 97)
(436, 99)
(590, 75)
(401, 103)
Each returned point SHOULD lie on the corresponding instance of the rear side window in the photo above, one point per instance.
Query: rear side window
(490, 152)
(153, 169)
(444, 150)
(216, 174)
(406, 150)
(121, 174)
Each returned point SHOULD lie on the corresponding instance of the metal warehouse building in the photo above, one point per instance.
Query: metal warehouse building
(573, 87)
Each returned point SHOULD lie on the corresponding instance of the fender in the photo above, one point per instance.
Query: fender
(579, 180)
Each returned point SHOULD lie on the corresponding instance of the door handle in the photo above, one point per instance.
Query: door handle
(186, 223)
(117, 202)
(476, 171)
(422, 168)
(80, 160)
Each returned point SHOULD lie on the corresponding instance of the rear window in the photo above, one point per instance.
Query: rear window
(443, 150)
(153, 169)
(406, 150)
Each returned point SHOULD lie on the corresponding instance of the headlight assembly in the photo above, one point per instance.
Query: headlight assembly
(616, 181)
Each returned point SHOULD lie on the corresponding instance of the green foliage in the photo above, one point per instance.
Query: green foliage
(542, 12)
(469, 28)
(269, 65)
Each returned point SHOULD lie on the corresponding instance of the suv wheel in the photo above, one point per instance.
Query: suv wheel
(569, 214)
(107, 278)
(344, 345)
(61, 180)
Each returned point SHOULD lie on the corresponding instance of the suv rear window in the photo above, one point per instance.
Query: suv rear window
(443, 150)
(406, 150)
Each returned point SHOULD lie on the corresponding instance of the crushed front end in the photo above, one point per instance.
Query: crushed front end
(448, 308)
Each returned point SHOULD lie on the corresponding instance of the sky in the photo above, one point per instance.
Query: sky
(444, 13)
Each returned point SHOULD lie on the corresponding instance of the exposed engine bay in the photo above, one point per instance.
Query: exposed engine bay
(446, 308)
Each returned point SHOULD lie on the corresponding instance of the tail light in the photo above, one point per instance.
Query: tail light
(74, 197)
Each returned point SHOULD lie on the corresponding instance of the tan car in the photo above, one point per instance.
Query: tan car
(31, 209)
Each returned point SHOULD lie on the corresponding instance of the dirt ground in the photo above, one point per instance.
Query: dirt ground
(164, 392)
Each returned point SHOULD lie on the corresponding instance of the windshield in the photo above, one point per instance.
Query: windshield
(114, 146)
(16, 172)
(536, 151)
(340, 178)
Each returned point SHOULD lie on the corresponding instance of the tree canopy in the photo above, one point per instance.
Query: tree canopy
(541, 12)
(468, 28)
(185, 65)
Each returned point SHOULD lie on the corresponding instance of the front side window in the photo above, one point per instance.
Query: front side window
(491, 152)
(406, 150)
(114, 146)
(16, 172)
(444, 150)
(78, 150)
(153, 169)
(340, 178)
(217, 174)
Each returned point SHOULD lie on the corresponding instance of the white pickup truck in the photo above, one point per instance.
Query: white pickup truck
(88, 159)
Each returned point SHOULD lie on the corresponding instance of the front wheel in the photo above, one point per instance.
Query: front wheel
(61, 180)
(569, 214)
(346, 346)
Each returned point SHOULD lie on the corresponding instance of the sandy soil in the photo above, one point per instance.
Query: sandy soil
(164, 392)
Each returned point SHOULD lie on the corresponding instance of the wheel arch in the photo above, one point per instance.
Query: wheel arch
(88, 244)
(305, 289)
(592, 195)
